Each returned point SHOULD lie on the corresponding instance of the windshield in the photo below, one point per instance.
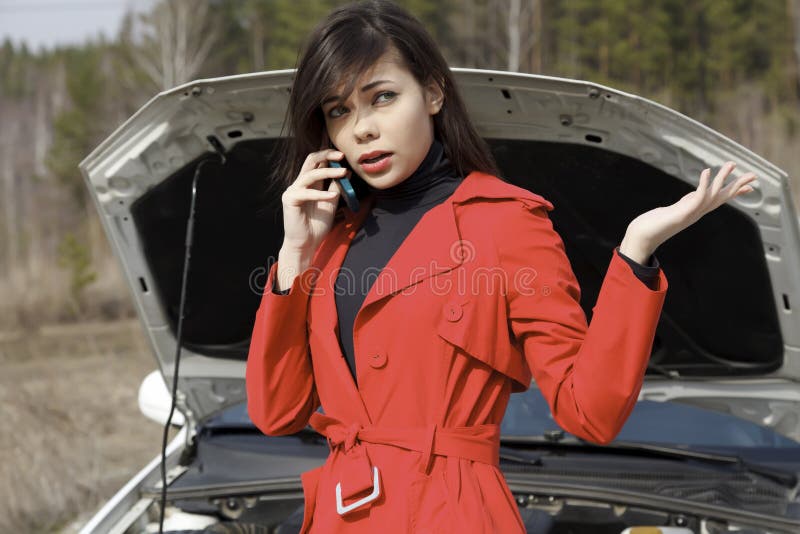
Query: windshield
(665, 423)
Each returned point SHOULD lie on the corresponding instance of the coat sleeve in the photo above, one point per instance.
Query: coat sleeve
(281, 394)
(590, 375)
(647, 272)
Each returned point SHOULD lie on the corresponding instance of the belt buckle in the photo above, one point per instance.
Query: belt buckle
(376, 491)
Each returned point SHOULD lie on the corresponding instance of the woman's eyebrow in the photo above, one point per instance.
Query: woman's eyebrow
(367, 87)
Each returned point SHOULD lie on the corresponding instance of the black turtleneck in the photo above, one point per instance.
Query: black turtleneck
(394, 214)
(397, 209)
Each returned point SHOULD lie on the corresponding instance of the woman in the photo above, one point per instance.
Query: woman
(475, 295)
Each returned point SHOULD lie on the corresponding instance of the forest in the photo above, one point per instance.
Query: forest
(731, 64)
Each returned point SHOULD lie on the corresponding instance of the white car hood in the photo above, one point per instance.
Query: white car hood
(728, 337)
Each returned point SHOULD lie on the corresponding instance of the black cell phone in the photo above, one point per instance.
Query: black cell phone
(348, 193)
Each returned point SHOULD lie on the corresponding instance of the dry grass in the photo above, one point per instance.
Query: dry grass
(72, 432)
(37, 291)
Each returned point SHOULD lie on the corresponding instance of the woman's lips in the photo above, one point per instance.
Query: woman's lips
(379, 166)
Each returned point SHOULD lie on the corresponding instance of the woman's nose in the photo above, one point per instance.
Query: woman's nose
(364, 127)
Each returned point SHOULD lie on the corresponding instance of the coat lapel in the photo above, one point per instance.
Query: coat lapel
(431, 248)
(428, 250)
(322, 305)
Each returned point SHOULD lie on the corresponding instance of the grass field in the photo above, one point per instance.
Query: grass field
(72, 433)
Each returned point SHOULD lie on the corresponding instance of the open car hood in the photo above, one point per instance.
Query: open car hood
(728, 337)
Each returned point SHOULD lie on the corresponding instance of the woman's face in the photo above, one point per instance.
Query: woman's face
(395, 116)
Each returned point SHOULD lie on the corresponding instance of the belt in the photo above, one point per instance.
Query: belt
(480, 443)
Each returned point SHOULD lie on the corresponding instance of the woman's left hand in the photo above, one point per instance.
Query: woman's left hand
(647, 231)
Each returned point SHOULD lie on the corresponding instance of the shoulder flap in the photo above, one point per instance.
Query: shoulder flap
(481, 185)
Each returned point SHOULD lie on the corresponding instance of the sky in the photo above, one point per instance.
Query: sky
(47, 23)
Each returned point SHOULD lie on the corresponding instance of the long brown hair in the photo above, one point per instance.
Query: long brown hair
(348, 42)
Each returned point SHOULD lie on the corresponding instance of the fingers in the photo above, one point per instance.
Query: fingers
(738, 186)
(297, 196)
(717, 194)
(335, 186)
(315, 159)
(719, 179)
(313, 178)
(309, 184)
(744, 184)
(699, 199)
(702, 187)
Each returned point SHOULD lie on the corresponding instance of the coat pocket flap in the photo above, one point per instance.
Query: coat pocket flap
(477, 325)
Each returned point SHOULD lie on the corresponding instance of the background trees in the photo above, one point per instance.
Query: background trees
(732, 64)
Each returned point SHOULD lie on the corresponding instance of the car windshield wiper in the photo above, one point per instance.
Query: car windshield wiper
(557, 439)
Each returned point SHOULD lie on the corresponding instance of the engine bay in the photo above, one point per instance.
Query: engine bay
(541, 514)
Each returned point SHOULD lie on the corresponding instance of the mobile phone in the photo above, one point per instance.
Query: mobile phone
(348, 193)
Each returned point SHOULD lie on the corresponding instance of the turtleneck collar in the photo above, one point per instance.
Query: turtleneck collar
(434, 180)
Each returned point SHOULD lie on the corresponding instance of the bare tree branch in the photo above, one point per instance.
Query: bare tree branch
(175, 38)
(514, 8)
(794, 12)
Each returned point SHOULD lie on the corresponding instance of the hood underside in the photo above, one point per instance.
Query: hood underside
(705, 330)
(601, 156)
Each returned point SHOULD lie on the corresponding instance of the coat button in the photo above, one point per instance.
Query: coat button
(453, 311)
(377, 359)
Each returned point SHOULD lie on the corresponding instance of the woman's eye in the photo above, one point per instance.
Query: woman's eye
(385, 93)
(390, 93)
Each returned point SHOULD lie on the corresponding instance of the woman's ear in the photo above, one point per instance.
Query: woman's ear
(435, 98)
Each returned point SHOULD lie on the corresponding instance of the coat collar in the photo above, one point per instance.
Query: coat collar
(433, 245)
(431, 248)
(481, 185)
(475, 185)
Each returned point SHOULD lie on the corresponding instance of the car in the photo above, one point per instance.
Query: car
(713, 443)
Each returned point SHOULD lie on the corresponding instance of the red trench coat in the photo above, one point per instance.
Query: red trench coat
(479, 299)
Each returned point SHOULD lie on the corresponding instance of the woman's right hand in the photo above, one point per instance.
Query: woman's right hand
(308, 209)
